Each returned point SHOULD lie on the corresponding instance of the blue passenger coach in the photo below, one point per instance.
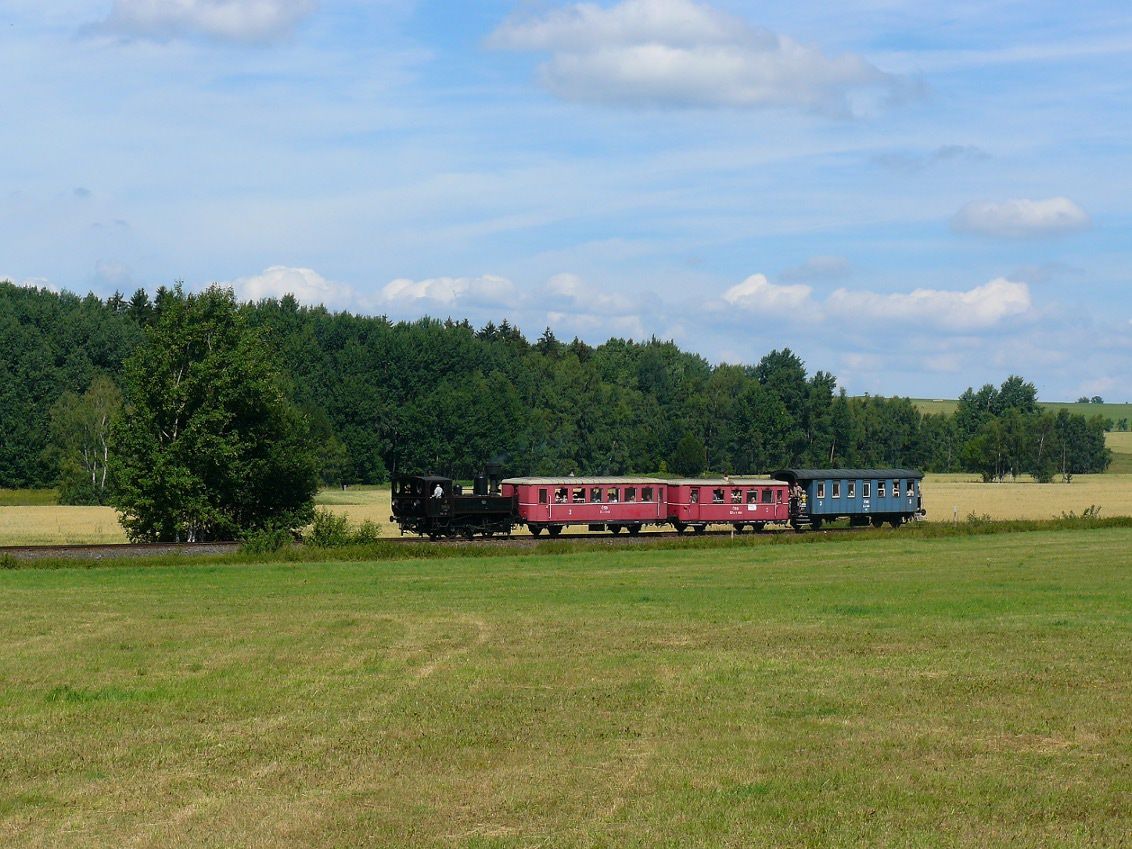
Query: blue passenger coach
(862, 496)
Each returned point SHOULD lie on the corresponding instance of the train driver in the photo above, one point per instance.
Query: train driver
(438, 492)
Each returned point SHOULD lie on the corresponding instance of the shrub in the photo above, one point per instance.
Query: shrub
(331, 530)
(266, 541)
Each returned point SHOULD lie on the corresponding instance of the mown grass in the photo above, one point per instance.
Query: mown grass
(892, 689)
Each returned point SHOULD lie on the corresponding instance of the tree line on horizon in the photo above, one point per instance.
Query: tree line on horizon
(372, 397)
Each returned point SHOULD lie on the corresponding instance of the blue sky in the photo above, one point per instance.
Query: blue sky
(917, 197)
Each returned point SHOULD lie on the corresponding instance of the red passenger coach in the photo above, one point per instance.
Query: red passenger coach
(739, 502)
(599, 503)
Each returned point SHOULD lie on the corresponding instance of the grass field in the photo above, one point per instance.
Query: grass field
(895, 691)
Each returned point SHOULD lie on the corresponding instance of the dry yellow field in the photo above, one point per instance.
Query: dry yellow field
(59, 526)
(945, 497)
(1120, 441)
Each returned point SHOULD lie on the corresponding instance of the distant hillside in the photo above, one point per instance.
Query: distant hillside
(1119, 442)
(1116, 412)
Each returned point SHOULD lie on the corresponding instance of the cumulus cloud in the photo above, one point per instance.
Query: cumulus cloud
(570, 293)
(981, 308)
(1021, 218)
(758, 294)
(575, 307)
(486, 290)
(307, 285)
(686, 53)
(225, 20)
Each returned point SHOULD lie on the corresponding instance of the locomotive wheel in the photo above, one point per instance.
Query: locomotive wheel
(468, 533)
(815, 523)
(634, 530)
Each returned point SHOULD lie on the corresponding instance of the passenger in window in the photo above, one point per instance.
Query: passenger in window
(694, 498)
(613, 496)
(717, 496)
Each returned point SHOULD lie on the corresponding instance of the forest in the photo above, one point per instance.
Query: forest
(379, 396)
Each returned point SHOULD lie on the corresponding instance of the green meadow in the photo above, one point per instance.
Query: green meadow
(884, 690)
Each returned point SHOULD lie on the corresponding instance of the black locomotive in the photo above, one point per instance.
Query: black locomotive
(436, 506)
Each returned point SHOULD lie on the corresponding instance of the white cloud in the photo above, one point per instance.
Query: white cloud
(981, 308)
(226, 20)
(569, 293)
(485, 290)
(685, 53)
(757, 294)
(308, 286)
(1021, 218)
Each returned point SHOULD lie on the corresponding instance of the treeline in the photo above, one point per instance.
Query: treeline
(380, 396)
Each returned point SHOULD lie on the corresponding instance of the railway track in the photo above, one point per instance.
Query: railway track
(191, 549)
(116, 550)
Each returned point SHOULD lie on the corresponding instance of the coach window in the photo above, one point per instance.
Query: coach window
(752, 496)
(646, 493)
(821, 490)
(717, 496)
(694, 497)
(768, 496)
(630, 493)
(880, 489)
(736, 496)
(595, 495)
(837, 489)
(911, 487)
(542, 496)
(851, 489)
(867, 489)
(896, 489)
(612, 496)
(579, 495)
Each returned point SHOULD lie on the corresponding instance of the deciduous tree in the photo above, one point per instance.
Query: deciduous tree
(210, 446)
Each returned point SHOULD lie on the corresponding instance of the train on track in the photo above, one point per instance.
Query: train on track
(437, 506)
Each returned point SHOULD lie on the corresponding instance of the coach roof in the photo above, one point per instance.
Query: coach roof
(845, 474)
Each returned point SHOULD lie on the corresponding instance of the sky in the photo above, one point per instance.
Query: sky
(916, 197)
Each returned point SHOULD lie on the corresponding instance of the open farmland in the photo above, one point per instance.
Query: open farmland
(1115, 412)
(965, 692)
